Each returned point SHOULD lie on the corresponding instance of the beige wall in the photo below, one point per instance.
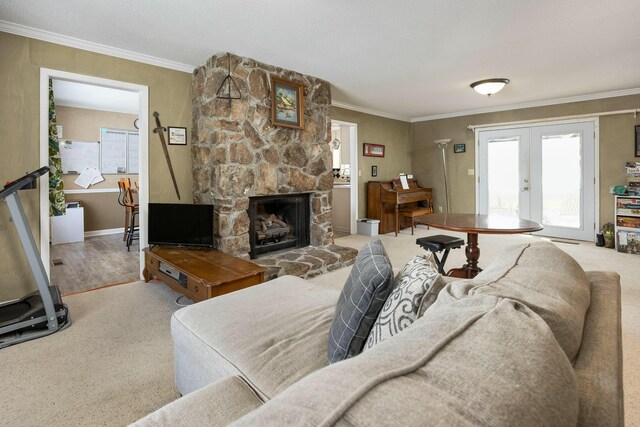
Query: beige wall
(393, 134)
(616, 147)
(101, 210)
(83, 124)
(22, 58)
(341, 209)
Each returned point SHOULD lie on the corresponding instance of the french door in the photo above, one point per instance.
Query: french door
(540, 173)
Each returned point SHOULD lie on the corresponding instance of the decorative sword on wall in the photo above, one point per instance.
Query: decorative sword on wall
(160, 131)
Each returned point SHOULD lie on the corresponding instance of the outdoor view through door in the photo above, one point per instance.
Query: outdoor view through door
(540, 173)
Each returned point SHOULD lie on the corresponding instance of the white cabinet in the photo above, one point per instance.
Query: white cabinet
(627, 228)
(69, 227)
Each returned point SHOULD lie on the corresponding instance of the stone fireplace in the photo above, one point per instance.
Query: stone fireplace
(238, 154)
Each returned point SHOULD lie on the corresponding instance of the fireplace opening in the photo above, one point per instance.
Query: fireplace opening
(278, 222)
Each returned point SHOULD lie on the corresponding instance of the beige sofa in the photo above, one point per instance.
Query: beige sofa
(533, 340)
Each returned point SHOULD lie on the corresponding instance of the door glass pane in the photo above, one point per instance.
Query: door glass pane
(561, 180)
(503, 177)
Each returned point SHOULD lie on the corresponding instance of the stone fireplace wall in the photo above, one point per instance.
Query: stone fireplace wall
(238, 153)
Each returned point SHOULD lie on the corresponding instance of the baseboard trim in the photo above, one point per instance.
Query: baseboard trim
(104, 232)
(92, 191)
(342, 229)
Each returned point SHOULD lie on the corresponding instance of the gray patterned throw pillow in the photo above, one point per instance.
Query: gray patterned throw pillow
(363, 295)
(416, 287)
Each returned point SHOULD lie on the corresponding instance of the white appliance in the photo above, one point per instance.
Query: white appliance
(69, 227)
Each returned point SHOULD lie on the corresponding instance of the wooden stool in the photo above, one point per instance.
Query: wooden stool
(439, 243)
(125, 199)
(413, 213)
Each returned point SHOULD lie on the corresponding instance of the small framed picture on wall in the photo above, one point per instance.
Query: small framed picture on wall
(372, 150)
(459, 148)
(637, 146)
(177, 135)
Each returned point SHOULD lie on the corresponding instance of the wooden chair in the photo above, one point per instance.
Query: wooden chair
(126, 199)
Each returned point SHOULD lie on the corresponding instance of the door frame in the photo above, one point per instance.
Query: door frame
(529, 124)
(523, 168)
(355, 172)
(143, 163)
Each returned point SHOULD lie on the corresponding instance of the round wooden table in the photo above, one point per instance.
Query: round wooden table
(473, 225)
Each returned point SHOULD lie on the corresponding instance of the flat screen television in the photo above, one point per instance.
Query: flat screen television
(180, 224)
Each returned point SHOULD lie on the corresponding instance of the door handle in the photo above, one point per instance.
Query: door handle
(524, 189)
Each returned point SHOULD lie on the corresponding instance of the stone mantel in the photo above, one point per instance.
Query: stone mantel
(237, 153)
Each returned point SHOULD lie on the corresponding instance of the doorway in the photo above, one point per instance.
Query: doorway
(544, 173)
(140, 165)
(344, 147)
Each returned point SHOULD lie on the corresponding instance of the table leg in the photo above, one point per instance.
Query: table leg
(472, 251)
(396, 220)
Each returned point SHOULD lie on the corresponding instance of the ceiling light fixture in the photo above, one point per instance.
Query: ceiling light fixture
(489, 86)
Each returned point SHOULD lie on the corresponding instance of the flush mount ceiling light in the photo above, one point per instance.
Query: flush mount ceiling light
(489, 86)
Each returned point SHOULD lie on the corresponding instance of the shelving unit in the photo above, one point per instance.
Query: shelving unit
(627, 228)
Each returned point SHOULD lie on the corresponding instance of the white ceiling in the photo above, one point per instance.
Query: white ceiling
(409, 59)
(80, 95)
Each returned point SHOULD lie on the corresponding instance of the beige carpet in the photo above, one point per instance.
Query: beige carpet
(114, 364)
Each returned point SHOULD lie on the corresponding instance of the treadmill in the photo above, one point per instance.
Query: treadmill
(41, 312)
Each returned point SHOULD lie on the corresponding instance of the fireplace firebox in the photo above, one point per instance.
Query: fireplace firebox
(278, 222)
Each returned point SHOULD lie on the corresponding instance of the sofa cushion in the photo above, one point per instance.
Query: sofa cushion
(598, 366)
(481, 360)
(361, 299)
(271, 334)
(217, 404)
(413, 288)
(542, 277)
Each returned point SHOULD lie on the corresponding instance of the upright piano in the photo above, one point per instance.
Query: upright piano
(385, 198)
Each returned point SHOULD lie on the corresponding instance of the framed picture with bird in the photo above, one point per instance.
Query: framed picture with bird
(287, 103)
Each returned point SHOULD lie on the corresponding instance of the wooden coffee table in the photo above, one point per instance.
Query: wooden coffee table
(200, 273)
(473, 225)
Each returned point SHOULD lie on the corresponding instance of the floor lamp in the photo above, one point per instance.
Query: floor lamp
(442, 143)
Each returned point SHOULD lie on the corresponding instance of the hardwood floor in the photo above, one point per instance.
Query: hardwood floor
(95, 262)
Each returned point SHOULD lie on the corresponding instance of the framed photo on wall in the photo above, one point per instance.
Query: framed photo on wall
(459, 148)
(177, 135)
(287, 103)
(637, 146)
(372, 150)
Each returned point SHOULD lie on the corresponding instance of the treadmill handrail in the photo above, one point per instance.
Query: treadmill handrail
(16, 185)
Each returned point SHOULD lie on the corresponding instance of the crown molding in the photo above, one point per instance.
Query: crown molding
(533, 104)
(47, 36)
(370, 111)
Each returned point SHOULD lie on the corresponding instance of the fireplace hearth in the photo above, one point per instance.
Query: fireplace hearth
(278, 222)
